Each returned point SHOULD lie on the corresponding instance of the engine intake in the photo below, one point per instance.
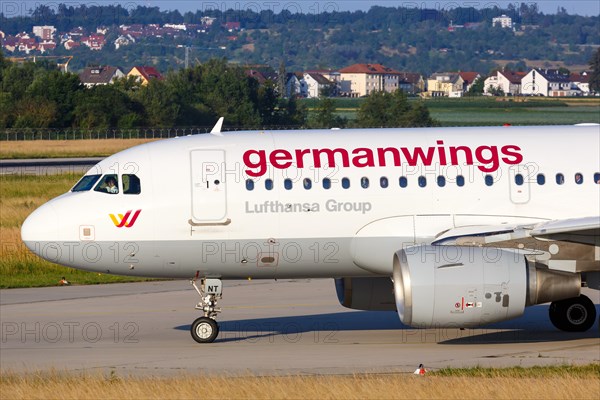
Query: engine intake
(455, 286)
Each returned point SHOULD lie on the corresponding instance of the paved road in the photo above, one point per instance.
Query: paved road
(47, 166)
(267, 327)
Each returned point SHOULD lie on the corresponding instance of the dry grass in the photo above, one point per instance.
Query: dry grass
(19, 196)
(66, 148)
(501, 384)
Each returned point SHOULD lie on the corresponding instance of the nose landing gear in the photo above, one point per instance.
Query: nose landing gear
(205, 329)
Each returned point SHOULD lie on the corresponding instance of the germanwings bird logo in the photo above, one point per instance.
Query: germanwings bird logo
(123, 220)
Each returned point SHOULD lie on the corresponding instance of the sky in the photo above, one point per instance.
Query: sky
(581, 7)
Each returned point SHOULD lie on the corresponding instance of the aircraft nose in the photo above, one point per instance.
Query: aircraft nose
(41, 226)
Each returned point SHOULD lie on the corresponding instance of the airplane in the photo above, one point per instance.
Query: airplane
(450, 227)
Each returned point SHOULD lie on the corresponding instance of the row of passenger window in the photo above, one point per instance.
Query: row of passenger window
(307, 183)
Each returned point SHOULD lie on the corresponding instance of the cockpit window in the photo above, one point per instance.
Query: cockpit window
(108, 184)
(86, 183)
(131, 184)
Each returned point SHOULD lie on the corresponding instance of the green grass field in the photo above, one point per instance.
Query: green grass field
(492, 111)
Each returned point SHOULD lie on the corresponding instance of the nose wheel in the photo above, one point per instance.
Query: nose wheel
(205, 329)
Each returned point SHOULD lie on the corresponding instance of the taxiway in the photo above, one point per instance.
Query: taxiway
(267, 327)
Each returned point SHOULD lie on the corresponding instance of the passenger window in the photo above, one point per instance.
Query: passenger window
(307, 183)
(403, 182)
(364, 182)
(287, 184)
(597, 178)
(489, 180)
(131, 184)
(345, 183)
(108, 184)
(249, 184)
(383, 182)
(578, 178)
(326, 183)
(441, 181)
(86, 183)
(560, 179)
(460, 180)
(519, 179)
(422, 181)
(541, 179)
(269, 184)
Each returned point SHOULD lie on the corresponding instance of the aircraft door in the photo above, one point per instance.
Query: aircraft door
(519, 184)
(209, 189)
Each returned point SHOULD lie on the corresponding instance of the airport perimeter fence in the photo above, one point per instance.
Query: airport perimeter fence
(14, 134)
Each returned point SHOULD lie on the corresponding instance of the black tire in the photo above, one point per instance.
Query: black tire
(577, 314)
(204, 330)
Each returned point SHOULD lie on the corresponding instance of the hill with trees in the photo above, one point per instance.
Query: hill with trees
(408, 39)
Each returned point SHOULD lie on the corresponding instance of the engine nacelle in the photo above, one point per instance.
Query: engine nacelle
(371, 294)
(454, 286)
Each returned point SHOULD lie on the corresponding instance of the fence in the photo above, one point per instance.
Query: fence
(14, 134)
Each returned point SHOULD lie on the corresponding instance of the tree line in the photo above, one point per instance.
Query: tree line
(36, 95)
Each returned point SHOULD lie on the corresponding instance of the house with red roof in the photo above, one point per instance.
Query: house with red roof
(508, 81)
(468, 79)
(144, 74)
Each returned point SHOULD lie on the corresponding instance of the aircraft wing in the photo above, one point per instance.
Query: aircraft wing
(568, 244)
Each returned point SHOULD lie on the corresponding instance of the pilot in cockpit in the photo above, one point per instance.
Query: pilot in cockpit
(111, 185)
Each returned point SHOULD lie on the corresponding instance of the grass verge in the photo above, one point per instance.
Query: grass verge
(19, 196)
(65, 148)
(537, 383)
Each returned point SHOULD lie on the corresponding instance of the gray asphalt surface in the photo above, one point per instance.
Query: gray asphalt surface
(267, 327)
(47, 166)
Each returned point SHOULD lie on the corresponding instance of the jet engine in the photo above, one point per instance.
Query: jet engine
(452, 286)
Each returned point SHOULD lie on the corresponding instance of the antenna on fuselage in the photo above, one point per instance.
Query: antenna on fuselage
(216, 130)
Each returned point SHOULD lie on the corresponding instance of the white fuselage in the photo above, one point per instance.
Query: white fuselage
(223, 207)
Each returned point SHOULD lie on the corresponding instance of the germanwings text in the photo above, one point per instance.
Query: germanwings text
(488, 158)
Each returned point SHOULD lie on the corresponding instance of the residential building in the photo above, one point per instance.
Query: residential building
(295, 85)
(508, 81)
(504, 21)
(468, 79)
(46, 45)
(317, 84)
(123, 40)
(232, 26)
(411, 82)
(71, 44)
(45, 32)
(548, 82)
(94, 41)
(145, 74)
(582, 81)
(445, 84)
(362, 79)
(100, 75)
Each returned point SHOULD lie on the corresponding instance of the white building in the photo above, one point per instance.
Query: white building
(508, 81)
(316, 84)
(548, 82)
(504, 21)
(45, 32)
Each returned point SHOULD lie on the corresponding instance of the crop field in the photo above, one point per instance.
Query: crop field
(19, 196)
(566, 382)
